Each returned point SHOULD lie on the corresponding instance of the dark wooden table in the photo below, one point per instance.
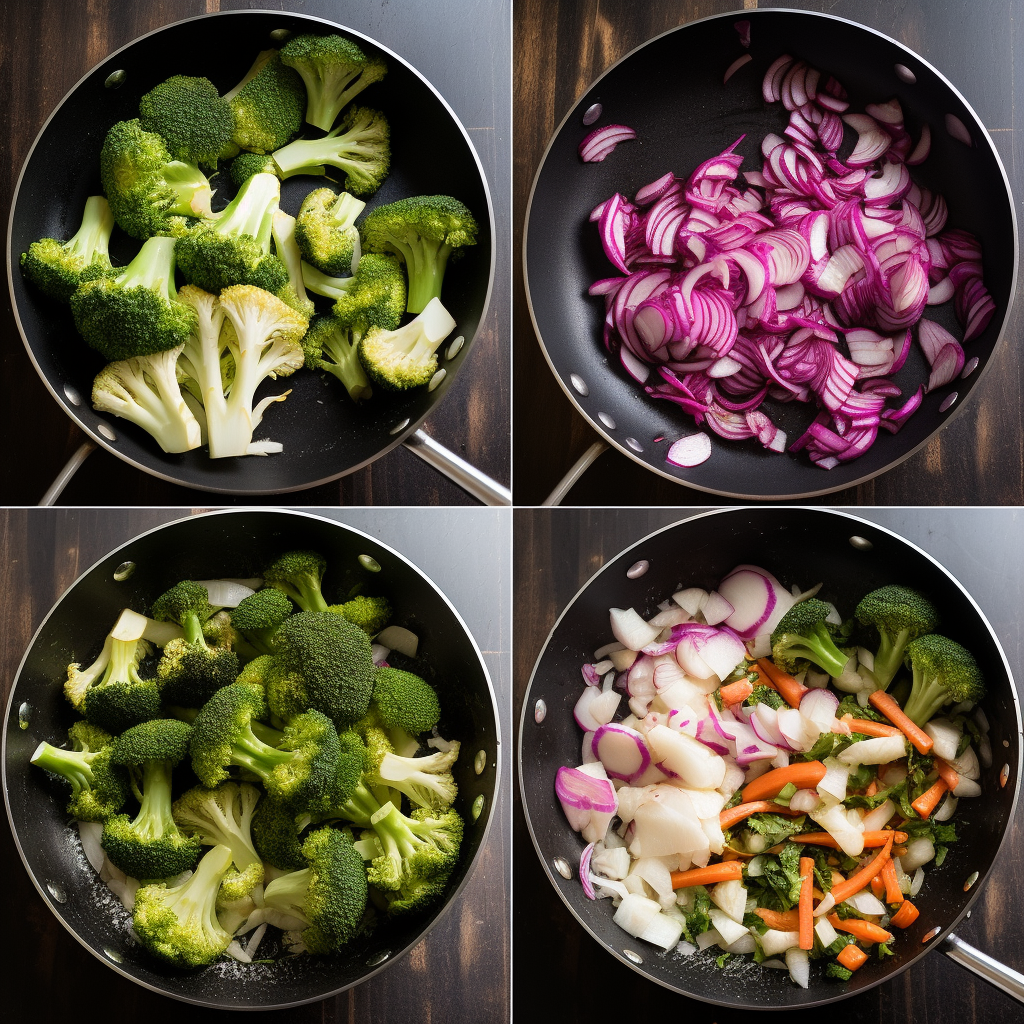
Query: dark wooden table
(460, 46)
(459, 972)
(561, 46)
(561, 974)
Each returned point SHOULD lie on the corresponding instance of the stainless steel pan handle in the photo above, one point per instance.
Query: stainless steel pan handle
(458, 470)
(582, 464)
(1010, 981)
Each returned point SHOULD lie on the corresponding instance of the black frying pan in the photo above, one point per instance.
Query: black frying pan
(325, 436)
(232, 544)
(801, 546)
(670, 90)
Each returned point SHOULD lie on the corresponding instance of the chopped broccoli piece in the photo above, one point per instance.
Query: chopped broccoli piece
(405, 701)
(370, 614)
(245, 165)
(276, 835)
(900, 615)
(268, 104)
(190, 116)
(762, 694)
(326, 230)
(330, 346)
(803, 635)
(427, 781)
(422, 846)
(375, 297)
(944, 673)
(287, 251)
(258, 617)
(406, 357)
(299, 576)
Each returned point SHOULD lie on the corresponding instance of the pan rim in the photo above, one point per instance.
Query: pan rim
(297, 514)
(977, 888)
(411, 427)
(594, 422)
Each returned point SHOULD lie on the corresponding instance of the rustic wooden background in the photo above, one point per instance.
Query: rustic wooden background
(460, 971)
(561, 974)
(460, 46)
(561, 46)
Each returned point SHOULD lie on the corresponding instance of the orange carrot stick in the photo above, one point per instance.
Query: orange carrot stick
(789, 689)
(863, 931)
(886, 704)
(872, 788)
(878, 886)
(893, 893)
(851, 956)
(929, 799)
(879, 838)
(782, 920)
(735, 693)
(857, 881)
(734, 815)
(805, 907)
(947, 773)
(724, 872)
(905, 916)
(803, 775)
(868, 728)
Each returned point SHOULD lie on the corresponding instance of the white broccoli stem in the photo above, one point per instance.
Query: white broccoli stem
(287, 250)
(93, 237)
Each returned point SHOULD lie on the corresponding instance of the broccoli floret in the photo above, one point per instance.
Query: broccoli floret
(803, 635)
(245, 165)
(268, 104)
(900, 615)
(58, 268)
(223, 817)
(241, 339)
(420, 847)
(762, 694)
(328, 896)
(258, 616)
(944, 673)
(319, 283)
(298, 772)
(151, 845)
(405, 701)
(406, 357)
(137, 312)
(287, 251)
(190, 116)
(354, 762)
(326, 230)
(276, 835)
(330, 346)
(145, 185)
(427, 781)
(370, 614)
(180, 925)
(416, 894)
(360, 146)
(334, 70)
(423, 231)
(98, 787)
(324, 662)
(299, 575)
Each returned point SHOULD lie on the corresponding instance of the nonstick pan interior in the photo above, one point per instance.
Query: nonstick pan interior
(801, 546)
(234, 544)
(670, 90)
(324, 434)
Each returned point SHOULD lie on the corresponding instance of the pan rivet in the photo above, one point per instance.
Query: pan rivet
(116, 79)
(57, 892)
(1006, 743)
(106, 431)
(114, 955)
(606, 420)
(969, 367)
(540, 710)
(72, 395)
(633, 958)
(928, 936)
(593, 112)
(24, 715)
(637, 569)
(437, 378)
(478, 807)
(480, 762)
(401, 426)
(124, 571)
(1004, 775)
(904, 74)
(379, 958)
(634, 444)
(861, 543)
(579, 384)
(971, 879)
(561, 865)
(947, 402)
(369, 563)
(279, 35)
(455, 346)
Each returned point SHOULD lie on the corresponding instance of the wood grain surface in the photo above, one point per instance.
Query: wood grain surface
(46, 47)
(557, 551)
(459, 972)
(561, 46)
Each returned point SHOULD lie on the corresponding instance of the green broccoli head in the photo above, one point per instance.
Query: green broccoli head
(180, 925)
(257, 617)
(245, 165)
(329, 895)
(416, 894)
(334, 71)
(370, 614)
(190, 673)
(144, 185)
(267, 104)
(190, 116)
(326, 230)
(136, 312)
(421, 846)
(299, 575)
(330, 346)
(406, 358)
(944, 673)
(405, 701)
(276, 835)
(900, 615)
(376, 297)
(188, 604)
(58, 268)
(803, 635)
(423, 231)
(427, 781)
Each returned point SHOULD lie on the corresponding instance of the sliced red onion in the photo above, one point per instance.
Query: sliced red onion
(743, 28)
(690, 450)
(765, 722)
(622, 751)
(590, 676)
(599, 143)
(735, 66)
(819, 706)
(584, 798)
(585, 856)
(716, 609)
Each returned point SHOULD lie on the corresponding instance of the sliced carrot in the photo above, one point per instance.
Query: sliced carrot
(861, 930)
(735, 693)
(879, 838)
(872, 788)
(734, 815)
(803, 775)
(893, 893)
(878, 886)
(805, 908)
(781, 920)
(905, 916)
(724, 872)
(929, 799)
(947, 773)
(858, 880)
(886, 704)
(851, 956)
(868, 728)
(790, 690)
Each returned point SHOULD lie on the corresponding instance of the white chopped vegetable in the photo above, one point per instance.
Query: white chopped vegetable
(832, 818)
(686, 949)
(826, 906)
(919, 851)
(876, 819)
(623, 659)
(744, 944)
(89, 832)
(612, 863)
(774, 941)
(966, 765)
(865, 902)
(878, 750)
(226, 593)
(799, 966)
(635, 913)
(253, 944)
(918, 881)
(825, 932)
(731, 897)
(947, 808)
(691, 600)
(966, 787)
(945, 737)
(694, 763)
(709, 938)
(663, 931)
(631, 630)
(400, 639)
(235, 951)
